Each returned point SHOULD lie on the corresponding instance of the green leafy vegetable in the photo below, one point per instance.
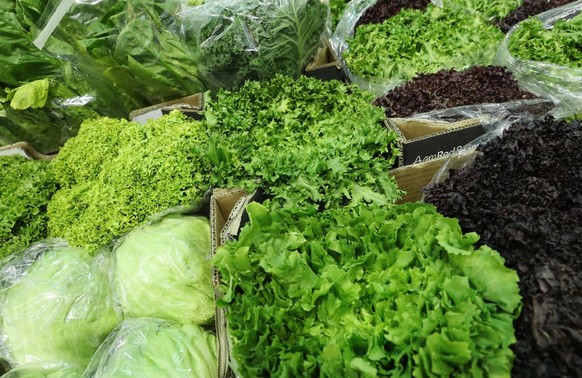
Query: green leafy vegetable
(25, 190)
(416, 41)
(38, 371)
(115, 174)
(249, 40)
(55, 308)
(134, 46)
(155, 348)
(162, 270)
(491, 9)
(368, 291)
(304, 142)
(560, 44)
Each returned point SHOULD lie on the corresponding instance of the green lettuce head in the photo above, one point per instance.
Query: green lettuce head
(38, 371)
(162, 270)
(148, 347)
(55, 306)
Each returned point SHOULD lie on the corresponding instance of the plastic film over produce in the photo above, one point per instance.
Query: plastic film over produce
(560, 83)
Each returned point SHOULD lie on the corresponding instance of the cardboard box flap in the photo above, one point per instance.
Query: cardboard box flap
(424, 140)
(189, 104)
(23, 149)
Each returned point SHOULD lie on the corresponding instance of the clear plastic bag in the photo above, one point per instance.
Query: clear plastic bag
(561, 84)
(135, 46)
(163, 270)
(55, 305)
(43, 99)
(254, 40)
(148, 347)
(38, 371)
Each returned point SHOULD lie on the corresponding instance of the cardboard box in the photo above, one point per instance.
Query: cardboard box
(223, 203)
(24, 149)
(192, 106)
(325, 65)
(423, 140)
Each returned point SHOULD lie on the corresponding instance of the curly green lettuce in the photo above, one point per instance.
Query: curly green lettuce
(25, 190)
(116, 174)
(369, 291)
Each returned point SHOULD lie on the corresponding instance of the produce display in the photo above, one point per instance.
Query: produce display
(522, 194)
(451, 88)
(269, 234)
(55, 306)
(155, 348)
(26, 187)
(162, 270)
(420, 41)
(115, 174)
(396, 290)
(303, 142)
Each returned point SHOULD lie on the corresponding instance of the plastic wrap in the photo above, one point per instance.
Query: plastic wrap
(43, 99)
(255, 39)
(38, 371)
(560, 83)
(134, 46)
(163, 270)
(149, 347)
(495, 118)
(345, 31)
(55, 305)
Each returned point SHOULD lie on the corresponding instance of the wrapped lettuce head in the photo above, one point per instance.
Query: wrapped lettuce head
(38, 371)
(56, 306)
(163, 270)
(148, 347)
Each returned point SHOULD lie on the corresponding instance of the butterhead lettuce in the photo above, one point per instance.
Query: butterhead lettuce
(163, 270)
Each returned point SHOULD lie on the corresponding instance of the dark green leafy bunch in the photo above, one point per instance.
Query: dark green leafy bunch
(115, 174)
(304, 142)
(393, 291)
(26, 187)
(133, 45)
(559, 45)
(42, 99)
(416, 41)
(250, 40)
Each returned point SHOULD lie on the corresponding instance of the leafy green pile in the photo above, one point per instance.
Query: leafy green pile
(116, 173)
(26, 186)
(304, 142)
(367, 291)
(560, 45)
(415, 41)
(252, 40)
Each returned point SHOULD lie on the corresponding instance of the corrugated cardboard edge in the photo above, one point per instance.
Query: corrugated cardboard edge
(412, 178)
(222, 205)
(193, 102)
(24, 149)
(325, 64)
